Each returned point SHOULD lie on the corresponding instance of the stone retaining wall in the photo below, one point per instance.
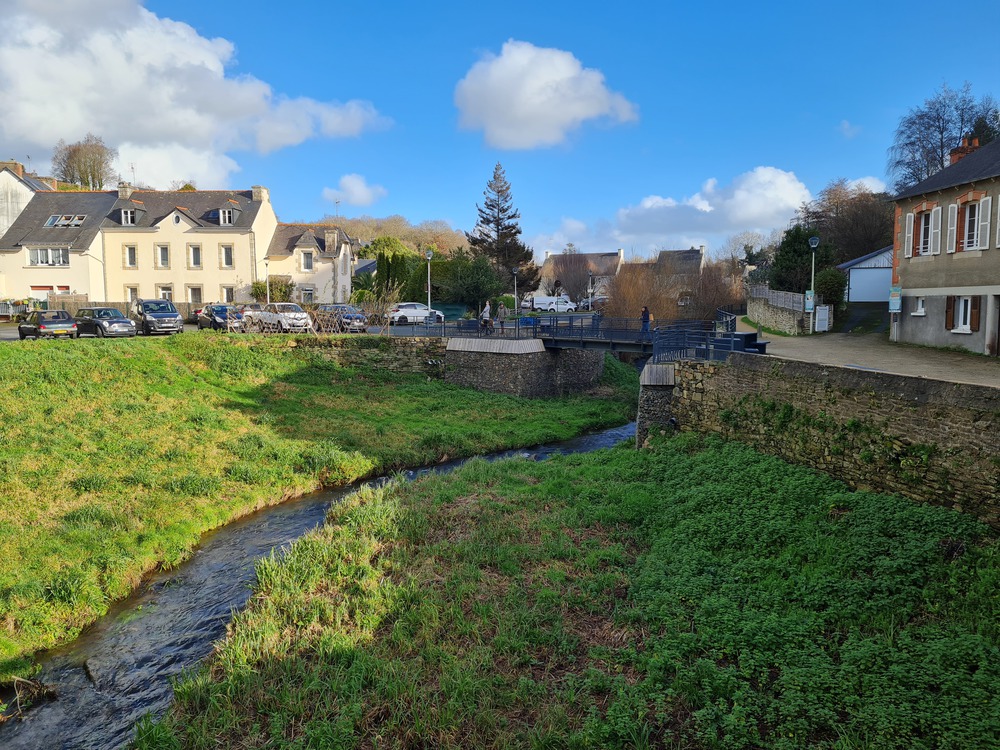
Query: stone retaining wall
(416, 354)
(924, 439)
(782, 319)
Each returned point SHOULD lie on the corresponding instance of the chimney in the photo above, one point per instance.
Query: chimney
(124, 191)
(260, 194)
(14, 166)
(331, 239)
(959, 153)
(621, 255)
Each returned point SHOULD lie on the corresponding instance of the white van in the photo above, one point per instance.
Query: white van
(562, 303)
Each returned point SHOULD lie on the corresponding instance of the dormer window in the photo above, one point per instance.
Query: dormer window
(128, 216)
(225, 217)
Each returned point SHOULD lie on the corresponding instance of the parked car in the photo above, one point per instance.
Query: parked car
(249, 307)
(156, 316)
(220, 318)
(413, 312)
(597, 303)
(279, 317)
(562, 303)
(559, 305)
(103, 321)
(337, 318)
(48, 324)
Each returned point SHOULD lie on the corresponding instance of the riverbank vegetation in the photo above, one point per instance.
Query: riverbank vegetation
(693, 595)
(118, 455)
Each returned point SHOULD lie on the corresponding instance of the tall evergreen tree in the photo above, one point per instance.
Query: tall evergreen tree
(498, 235)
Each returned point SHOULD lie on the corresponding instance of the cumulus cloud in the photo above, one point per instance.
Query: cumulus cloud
(528, 97)
(150, 86)
(872, 184)
(760, 200)
(848, 130)
(355, 191)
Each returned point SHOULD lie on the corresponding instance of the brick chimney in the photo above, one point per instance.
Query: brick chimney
(124, 191)
(14, 166)
(957, 154)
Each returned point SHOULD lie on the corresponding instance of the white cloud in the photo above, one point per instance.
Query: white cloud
(529, 97)
(152, 87)
(355, 191)
(873, 184)
(848, 130)
(760, 200)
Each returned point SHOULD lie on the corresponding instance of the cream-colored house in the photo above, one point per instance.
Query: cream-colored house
(317, 258)
(114, 246)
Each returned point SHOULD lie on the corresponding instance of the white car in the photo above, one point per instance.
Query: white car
(560, 305)
(414, 312)
(279, 317)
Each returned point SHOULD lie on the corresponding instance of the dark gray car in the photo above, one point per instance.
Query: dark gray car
(104, 321)
(54, 324)
(156, 316)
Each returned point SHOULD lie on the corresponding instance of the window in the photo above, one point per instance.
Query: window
(128, 216)
(66, 220)
(195, 256)
(308, 295)
(225, 217)
(970, 232)
(919, 308)
(923, 232)
(165, 291)
(228, 294)
(969, 223)
(130, 256)
(48, 256)
(131, 293)
(962, 314)
(226, 256)
(194, 295)
(163, 256)
(307, 261)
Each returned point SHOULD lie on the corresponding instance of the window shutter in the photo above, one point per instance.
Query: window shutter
(952, 238)
(985, 212)
(974, 314)
(908, 237)
(949, 313)
(936, 231)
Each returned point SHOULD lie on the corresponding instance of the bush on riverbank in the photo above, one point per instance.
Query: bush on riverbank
(118, 455)
(698, 595)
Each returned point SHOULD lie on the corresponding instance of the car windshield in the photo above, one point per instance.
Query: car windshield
(48, 317)
(288, 307)
(158, 307)
(108, 313)
(224, 310)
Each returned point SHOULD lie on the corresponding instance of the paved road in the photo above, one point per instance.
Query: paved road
(874, 351)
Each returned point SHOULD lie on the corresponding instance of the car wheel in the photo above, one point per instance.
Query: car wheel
(20, 334)
(75, 335)
(100, 332)
(401, 320)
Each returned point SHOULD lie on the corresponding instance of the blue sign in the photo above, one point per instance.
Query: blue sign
(895, 299)
(810, 300)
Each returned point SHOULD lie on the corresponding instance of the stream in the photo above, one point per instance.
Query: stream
(121, 667)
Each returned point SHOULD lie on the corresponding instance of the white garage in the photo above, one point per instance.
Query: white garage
(869, 277)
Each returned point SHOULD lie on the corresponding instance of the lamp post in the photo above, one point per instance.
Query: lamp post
(267, 281)
(429, 254)
(517, 303)
(590, 290)
(813, 244)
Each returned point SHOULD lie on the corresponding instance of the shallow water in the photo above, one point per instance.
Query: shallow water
(120, 668)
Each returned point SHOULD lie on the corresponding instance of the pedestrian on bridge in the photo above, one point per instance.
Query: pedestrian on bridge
(646, 317)
(486, 322)
(502, 316)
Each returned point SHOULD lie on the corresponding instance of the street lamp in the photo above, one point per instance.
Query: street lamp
(813, 244)
(429, 254)
(267, 281)
(517, 304)
(590, 290)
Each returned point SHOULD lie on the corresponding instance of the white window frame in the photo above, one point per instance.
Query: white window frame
(920, 308)
(227, 293)
(130, 253)
(308, 262)
(192, 250)
(223, 249)
(48, 256)
(970, 232)
(128, 217)
(225, 217)
(191, 290)
(963, 315)
(161, 251)
(165, 291)
(131, 293)
(308, 295)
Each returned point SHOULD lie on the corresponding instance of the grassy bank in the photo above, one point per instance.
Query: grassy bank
(118, 455)
(697, 595)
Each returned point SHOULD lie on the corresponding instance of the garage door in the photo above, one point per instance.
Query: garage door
(869, 285)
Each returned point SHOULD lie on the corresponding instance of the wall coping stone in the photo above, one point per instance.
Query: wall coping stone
(657, 375)
(496, 345)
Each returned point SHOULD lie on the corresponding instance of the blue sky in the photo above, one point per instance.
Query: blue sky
(644, 126)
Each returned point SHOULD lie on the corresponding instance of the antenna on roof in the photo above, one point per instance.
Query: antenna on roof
(28, 158)
(131, 165)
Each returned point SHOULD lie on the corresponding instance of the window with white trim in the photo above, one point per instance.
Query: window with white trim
(963, 314)
(48, 256)
(225, 217)
(919, 306)
(228, 294)
(131, 293)
(165, 291)
(226, 256)
(130, 256)
(970, 230)
(194, 256)
(923, 239)
(307, 261)
(128, 216)
(163, 256)
(308, 295)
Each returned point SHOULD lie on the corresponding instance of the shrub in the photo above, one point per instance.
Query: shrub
(831, 283)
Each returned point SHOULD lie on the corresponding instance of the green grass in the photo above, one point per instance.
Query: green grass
(697, 595)
(118, 455)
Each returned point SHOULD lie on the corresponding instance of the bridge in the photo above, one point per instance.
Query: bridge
(671, 341)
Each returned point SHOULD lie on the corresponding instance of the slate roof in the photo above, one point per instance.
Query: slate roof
(598, 264)
(200, 206)
(29, 227)
(981, 164)
(287, 237)
(687, 261)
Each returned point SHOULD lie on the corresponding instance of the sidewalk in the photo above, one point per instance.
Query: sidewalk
(873, 351)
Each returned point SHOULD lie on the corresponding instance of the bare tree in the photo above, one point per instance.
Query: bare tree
(571, 271)
(853, 220)
(927, 134)
(88, 163)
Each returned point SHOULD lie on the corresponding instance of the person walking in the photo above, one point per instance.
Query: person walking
(646, 317)
(487, 322)
(502, 316)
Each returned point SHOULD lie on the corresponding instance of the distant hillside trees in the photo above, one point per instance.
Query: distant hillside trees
(927, 134)
(850, 219)
(88, 163)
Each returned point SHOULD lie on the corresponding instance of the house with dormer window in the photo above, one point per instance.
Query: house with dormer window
(317, 258)
(946, 254)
